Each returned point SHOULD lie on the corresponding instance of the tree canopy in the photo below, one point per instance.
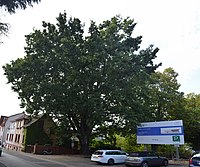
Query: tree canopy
(192, 119)
(10, 6)
(85, 79)
(165, 98)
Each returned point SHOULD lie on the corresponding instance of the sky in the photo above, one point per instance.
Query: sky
(171, 25)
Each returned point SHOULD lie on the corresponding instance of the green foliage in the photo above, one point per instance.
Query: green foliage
(166, 150)
(11, 6)
(102, 144)
(129, 144)
(35, 134)
(192, 120)
(88, 83)
(165, 100)
(167, 103)
(4, 27)
(170, 151)
(185, 151)
(63, 135)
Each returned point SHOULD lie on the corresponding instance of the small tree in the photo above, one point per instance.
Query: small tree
(166, 99)
(191, 118)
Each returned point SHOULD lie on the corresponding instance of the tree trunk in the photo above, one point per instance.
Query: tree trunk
(84, 141)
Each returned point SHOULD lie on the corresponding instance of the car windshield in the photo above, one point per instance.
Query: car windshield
(196, 158)
(138, 154)
(141, 154)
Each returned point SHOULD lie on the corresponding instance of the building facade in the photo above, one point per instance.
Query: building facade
(13, 131)
(16, 131)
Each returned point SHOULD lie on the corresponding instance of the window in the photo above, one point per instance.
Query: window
(98, 153)
(116, 153)
(152, 154)
(196, 158)
(11, 137)
(109, 153)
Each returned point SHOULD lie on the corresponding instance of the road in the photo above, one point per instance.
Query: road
(19, 159)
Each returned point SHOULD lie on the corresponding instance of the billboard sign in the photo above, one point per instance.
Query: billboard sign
(163, 132)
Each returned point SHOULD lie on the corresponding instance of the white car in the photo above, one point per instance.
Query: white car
(109, 156)
(195, 160)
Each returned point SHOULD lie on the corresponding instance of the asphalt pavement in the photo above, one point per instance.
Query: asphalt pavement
(78, 160)
(2, 165)
(84, 160)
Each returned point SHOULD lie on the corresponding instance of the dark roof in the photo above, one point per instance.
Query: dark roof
(22, 117)
(34, 120)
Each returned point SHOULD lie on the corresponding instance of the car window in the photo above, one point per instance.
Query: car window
(135, 154)
(114, 153)
(151, 154)
(98, 152)
(123, 153)
(143, 154)
(196, 152)
(109, 153)
(117, 153)
(196, 158)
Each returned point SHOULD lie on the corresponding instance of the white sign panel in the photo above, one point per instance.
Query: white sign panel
(163, 132)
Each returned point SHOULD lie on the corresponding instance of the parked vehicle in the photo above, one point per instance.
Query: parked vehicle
(47, 152)
(195, 152)
(194, 160)
(145, 159)
(109, 156)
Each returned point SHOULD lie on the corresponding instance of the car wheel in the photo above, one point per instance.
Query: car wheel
(144, 164)
(165, 162)
(110, 161)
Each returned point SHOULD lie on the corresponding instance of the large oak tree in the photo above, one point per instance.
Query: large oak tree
(85, 79)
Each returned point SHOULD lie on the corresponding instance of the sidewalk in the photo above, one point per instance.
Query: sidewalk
(69, 160)
(178, 162)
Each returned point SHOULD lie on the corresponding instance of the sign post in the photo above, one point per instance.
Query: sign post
(177, 151)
